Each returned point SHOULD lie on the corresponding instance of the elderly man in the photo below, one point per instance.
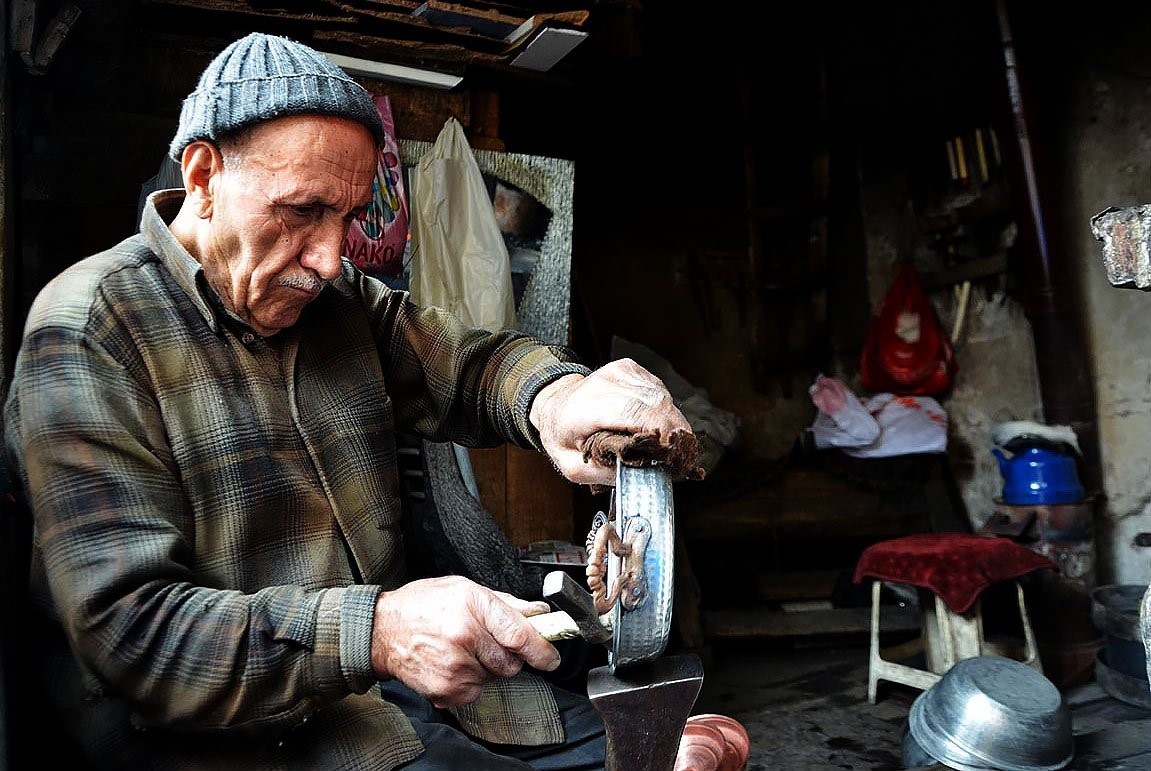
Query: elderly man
(202, 420)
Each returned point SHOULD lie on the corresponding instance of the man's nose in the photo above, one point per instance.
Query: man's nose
(322, 253)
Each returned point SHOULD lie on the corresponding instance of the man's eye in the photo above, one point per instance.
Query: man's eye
(306, 211)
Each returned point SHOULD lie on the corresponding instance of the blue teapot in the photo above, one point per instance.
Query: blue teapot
(1038, 474)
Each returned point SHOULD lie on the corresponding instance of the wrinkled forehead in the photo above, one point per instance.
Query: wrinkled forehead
(300, 138)
(311, 150)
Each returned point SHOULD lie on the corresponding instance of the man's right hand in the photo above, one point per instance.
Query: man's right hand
(445, 637)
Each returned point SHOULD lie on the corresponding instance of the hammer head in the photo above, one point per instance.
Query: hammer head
(561, 590)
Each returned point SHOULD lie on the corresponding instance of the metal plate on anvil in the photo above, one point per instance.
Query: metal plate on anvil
(643, 499)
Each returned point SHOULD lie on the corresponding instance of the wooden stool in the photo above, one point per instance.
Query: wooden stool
(951, 570)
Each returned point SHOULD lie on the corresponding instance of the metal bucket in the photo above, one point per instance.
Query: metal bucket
(1115, 612)
(1121, 686)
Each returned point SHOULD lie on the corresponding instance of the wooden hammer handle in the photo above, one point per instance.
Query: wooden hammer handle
(556, 625)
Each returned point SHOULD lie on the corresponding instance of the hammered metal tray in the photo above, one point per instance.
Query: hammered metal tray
(643, 499)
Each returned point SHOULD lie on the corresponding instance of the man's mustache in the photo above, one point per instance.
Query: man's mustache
(313, 284)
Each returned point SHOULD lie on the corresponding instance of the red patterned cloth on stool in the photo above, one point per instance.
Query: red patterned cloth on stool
(956, 566)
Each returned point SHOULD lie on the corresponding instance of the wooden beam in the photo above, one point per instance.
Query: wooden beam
(243, 8)
(53, 37)
(22, 28)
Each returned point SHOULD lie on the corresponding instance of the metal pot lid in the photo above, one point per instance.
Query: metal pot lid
(643, 514)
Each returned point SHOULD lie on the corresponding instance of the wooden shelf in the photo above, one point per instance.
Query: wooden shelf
(803, 502)
(968, 270)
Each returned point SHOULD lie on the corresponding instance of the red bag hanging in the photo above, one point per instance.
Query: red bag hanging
(907, 351)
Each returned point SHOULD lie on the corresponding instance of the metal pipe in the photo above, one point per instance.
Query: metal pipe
(1065, 375)
(1067, 637)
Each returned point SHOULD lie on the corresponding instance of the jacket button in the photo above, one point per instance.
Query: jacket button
(248, 338)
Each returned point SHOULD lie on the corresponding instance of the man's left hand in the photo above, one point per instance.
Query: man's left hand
(621, 397)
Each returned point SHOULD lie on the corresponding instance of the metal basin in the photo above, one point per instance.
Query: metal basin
(1115, 612)
(915, 756)
(994, 712)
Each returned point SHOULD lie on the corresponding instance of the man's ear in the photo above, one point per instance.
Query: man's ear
(200, 162)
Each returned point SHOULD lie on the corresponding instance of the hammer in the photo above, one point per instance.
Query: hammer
(576, 615)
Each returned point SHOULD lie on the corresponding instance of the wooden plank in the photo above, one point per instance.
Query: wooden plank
(22, 28)
(539, 499)
(53, 36)
(1127, 741)
(762, 622)
(528, 499)
(796, 585)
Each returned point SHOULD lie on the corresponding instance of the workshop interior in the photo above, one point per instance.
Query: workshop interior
(891, 260)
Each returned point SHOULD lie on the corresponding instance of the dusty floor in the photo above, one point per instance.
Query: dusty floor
(806, 709)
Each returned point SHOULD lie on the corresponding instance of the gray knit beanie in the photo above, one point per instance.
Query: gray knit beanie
(261, 77)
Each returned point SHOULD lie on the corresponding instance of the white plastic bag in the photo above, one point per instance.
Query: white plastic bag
(907, 425)
(879, 426)
(842, 421)
(459, 259)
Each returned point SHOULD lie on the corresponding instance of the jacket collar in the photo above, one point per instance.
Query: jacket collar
(160, 209)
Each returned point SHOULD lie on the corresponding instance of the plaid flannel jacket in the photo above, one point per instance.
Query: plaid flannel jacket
(215, 512)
